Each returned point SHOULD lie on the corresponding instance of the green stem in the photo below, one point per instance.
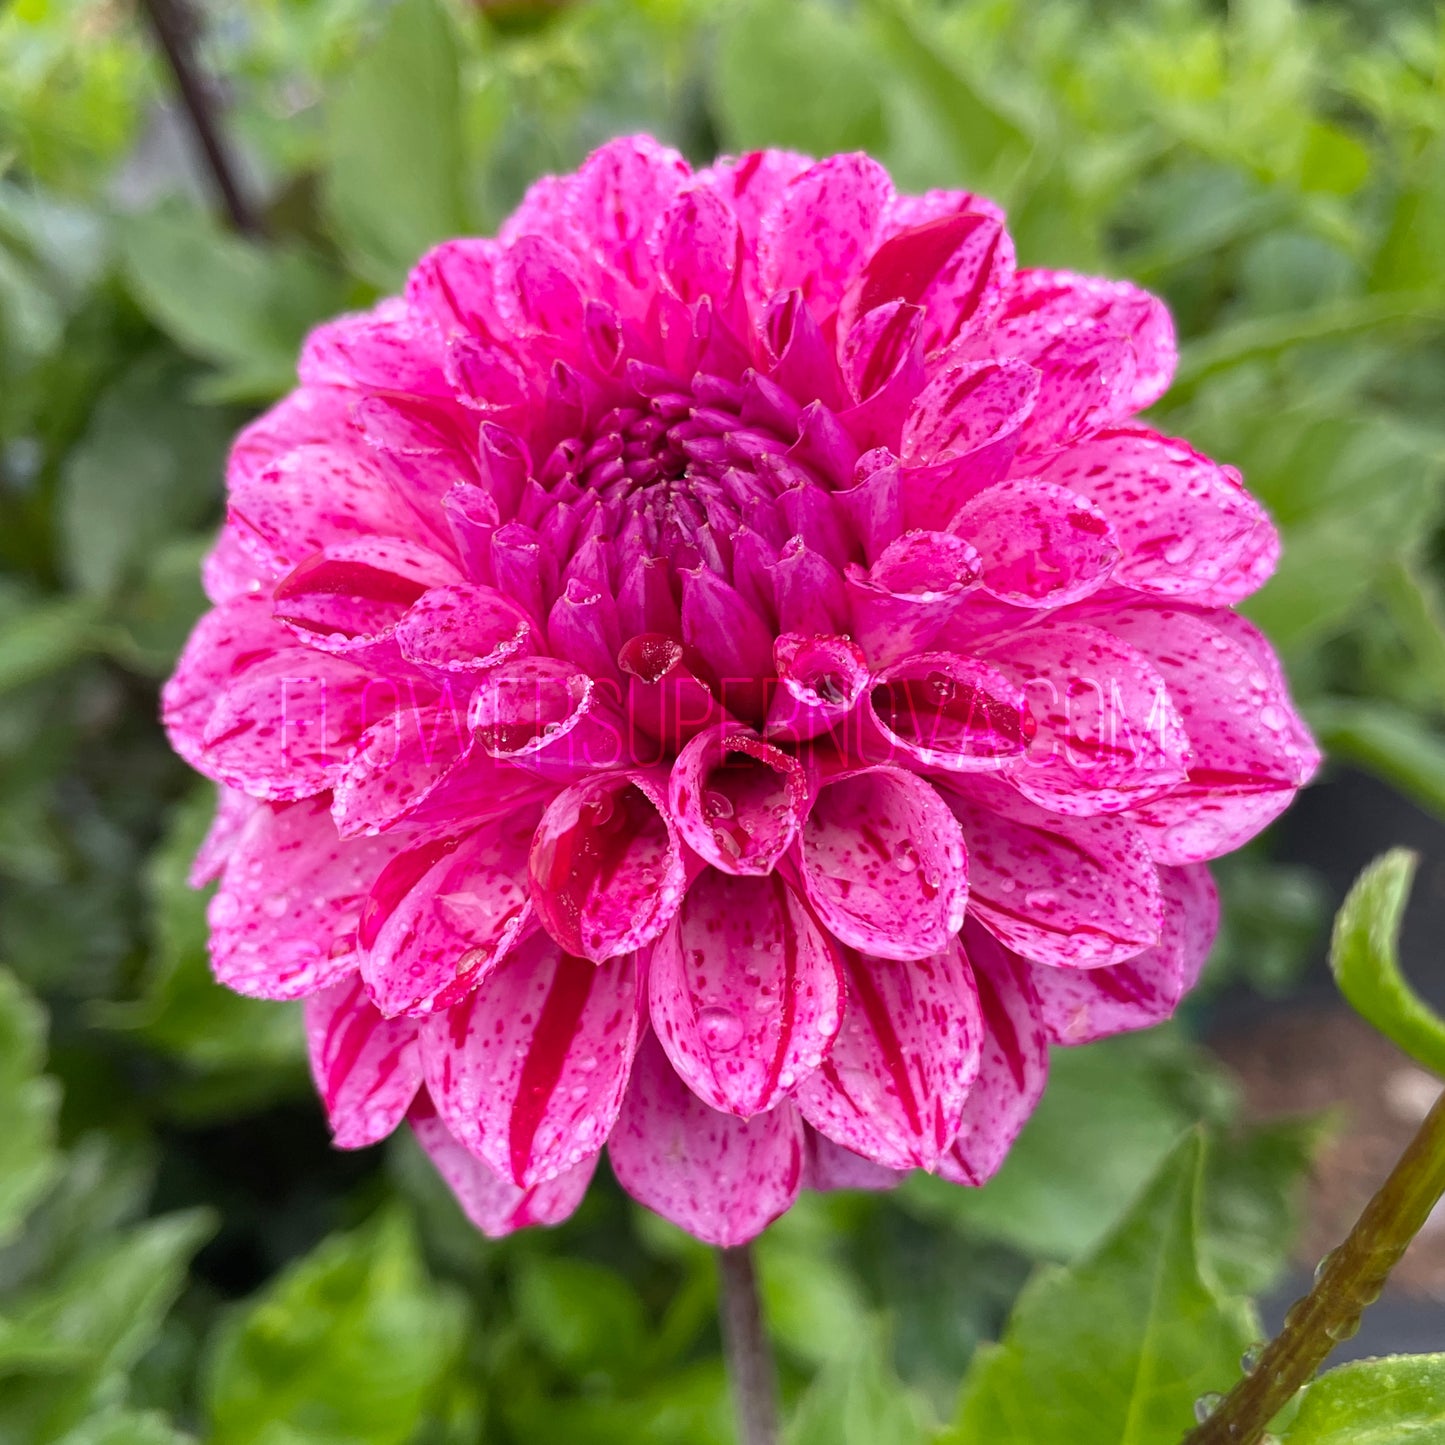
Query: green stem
(1349, 1279)
(745, 1343)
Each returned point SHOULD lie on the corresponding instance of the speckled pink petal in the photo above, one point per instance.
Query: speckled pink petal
(229, 571)
(313, 497)
(745, 992)
(1046, 304)
(666, 702)
(820, 231)
(737, 801)
(821, 680)
(721, 1178)
(1109, 734)
(1078, 1007)
(384, 349)
(606, 865)
(1013, 1067)
(496, 1206)
(283, 922)
(884, 863)
(233, 812)
(461, 630)
(1072, 892)
(895, 1084)
(937, 710)
(1186, 526)
(828, 1166)
(440, 917)
(1039, 545)
(454, 286)
(367, 1068)
(308, 415)
(528, 1071)
(917, 585)
(1250, 750)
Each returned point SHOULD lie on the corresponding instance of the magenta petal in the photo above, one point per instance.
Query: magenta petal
(884, 863)
(1013, 1067)
(424, 947)
(309, 415)
(384, 349)
(367, 1068)
(1109, 734)
(528, 1071)
(895, 1085)
(745, 992)
(1040, 545)
(918, 583)
(233, 812)
(461, 630)
(495, 1205)
(230, 570)
(828, 1166)
(1186, 527)
(939, 710)
(821, 680)
(283, 922)
(1071, 892)
(721, 1178)
(737, 801)
(1077, 1007)
(606, 865)
(666, 701)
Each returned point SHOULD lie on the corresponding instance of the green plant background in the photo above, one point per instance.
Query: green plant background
(181, 1254)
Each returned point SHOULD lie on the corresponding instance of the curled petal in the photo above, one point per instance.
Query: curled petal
(884, 863)
(1013, 1063)
(894, 1087)
(721, 1178)
(737, 801)
(367, 1068)
(1071, 892)
(462, 629)
(606, 865)
(283, 922)
(528, 1071)
(1079, 1006)
(917, 585)
(745, 992)
(820, 682)
(440, 917)
(495, 1205)
(666, 700)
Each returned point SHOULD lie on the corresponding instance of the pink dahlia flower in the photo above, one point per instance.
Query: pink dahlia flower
(718, 673)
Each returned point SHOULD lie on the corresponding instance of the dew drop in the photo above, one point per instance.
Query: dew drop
(905, 857)
(1207, 1404)
(1040, 899)
(721, 1029)
(274, 906)
(1180, 551)
(716, 805)
(1249, 1360)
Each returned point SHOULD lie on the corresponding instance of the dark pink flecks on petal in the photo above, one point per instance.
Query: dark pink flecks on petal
(1071, 892)
(233, 812)
(1079, 1006)
(894, 1087)
(528, 1071)
(462, 630)
(443, 915)
(1013, 1063)
(367, 1068)
(721, 1178)
(884, 863)
(918, 584)
(284, 920)
(745, 992)
(821, 680)
(737, 801)
(940, 710)
(384, 349)
(606, 865)
(495, 1205)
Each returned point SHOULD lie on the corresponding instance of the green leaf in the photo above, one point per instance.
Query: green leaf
(796, 75)
(393, 186)
(1364, 955)
(812, 1304)
(859, 1400)
(583, 1315)
(28, 1105)
(1115, 1350)
(149, 466)
(1388, 741)
(349, 1346)
(243, 305)
(122, 1427)
(1394, 1401)
(1112, 1111)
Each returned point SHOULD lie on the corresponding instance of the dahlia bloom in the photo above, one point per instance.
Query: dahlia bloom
(718, 673)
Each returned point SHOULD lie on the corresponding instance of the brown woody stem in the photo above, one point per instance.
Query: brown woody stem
(1349, 1279)
(746, 1346)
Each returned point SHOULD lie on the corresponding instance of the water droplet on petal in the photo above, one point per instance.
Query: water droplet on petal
(905, 857)
(720, 1028)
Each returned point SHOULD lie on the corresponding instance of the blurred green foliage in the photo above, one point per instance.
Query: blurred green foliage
(1275, 170)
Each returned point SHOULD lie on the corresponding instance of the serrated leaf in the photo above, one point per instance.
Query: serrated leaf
(348, 1346)
(1114, 1350)
(1365, 959)
(1395, 1401)
(393, 184)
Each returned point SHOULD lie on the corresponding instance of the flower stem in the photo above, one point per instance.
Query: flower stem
(748, 1350)
(1349, 1278)
(174, 28)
